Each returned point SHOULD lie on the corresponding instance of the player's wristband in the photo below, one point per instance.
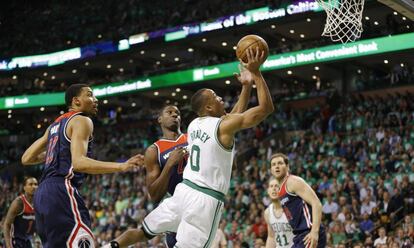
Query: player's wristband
(114, 244)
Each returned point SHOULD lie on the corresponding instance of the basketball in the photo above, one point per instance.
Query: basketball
(251, 41)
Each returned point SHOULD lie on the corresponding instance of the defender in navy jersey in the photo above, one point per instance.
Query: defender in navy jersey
(62, 219)
(19, 225)
(300, 204)
(166, 158)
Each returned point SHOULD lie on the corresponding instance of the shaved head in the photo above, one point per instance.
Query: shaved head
(198, 100)
(205, 102)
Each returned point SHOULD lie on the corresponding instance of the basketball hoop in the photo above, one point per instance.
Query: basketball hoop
(343, 19)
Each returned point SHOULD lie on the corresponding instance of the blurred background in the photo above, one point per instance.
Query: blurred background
(344, 113)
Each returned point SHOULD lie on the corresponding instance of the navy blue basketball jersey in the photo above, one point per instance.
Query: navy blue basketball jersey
(297, 211)
(165, 147)
(23, 226)
(58, 157)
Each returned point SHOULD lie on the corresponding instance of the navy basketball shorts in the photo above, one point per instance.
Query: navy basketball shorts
(170, 240)
(21, 243)
(62, 219)
(298, 239)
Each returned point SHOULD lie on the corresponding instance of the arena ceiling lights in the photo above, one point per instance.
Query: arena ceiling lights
(274, 62)
(170, 34)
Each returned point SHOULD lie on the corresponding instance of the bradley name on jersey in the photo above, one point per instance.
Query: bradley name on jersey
(199, 134)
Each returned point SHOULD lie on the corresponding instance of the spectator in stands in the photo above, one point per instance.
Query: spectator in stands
(363, 192)
(324, 185)
(337, 233)
(399, 236)
(396, 205)
(382, 239)
(351, 228)
(407, 222)
(384, 203)
(366, 225)
(368, 243)
(367, 206)
(329, 206)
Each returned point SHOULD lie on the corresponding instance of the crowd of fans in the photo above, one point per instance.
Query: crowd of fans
(358, 155)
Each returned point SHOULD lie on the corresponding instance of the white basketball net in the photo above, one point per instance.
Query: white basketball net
(343, 19)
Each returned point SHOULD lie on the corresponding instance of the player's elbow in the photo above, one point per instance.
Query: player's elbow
(269, 108)
(26, 159)
(317, 204)
(7, 224)
(254, 119)
(264, 112)
(77, 164)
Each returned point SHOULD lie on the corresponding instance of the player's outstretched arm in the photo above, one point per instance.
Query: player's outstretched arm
(157, 180)
(233, 123)
(15, 209)
(299, 187)
(79, 130)
(270, 241)
(246, 81)
(36, 153)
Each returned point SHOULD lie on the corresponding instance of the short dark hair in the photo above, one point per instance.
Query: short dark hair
(283, 156)
(197, 100)
(164, 107)
(73, 91)
(27, 179)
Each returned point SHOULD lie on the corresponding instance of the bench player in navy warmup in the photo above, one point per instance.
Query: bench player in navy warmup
(19, 224)
(62, 219)
(302, 207)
